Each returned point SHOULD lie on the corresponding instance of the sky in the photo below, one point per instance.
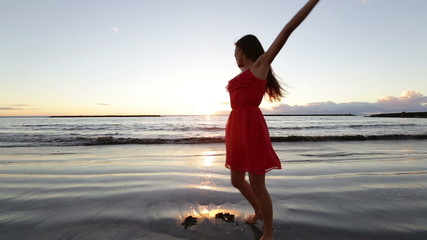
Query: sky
(80, 57)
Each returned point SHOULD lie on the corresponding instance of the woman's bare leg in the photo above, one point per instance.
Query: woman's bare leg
(257, 183)
(239, 182)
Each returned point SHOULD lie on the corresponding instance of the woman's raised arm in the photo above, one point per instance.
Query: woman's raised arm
(267, 58)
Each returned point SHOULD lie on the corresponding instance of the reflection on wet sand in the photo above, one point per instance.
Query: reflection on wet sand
(368, 191)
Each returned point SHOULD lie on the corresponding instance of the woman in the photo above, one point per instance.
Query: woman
(248, 142)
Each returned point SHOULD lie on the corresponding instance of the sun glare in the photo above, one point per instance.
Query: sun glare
(210, 211)
(208, 158)
(206, 108)
(204, 111)
(207, 102)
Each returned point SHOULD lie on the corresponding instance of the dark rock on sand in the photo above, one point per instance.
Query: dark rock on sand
(227, 217)
(189, 221)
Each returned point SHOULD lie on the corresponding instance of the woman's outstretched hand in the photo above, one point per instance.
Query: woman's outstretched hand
(262, 65)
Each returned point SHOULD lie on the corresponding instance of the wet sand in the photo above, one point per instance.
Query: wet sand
(327, 190)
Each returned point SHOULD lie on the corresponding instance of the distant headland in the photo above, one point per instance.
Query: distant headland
(402, 115)
(94, 116)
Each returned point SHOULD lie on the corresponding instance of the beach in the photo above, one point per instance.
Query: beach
(326, 190)
(117, 119)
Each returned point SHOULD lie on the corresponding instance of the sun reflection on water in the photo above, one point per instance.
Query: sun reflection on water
(206, 181)
(205, 162)
(208, 158)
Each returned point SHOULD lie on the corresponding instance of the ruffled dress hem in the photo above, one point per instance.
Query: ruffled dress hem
(253, 172)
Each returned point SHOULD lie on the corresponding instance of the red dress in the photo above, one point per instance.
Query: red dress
(248, 143)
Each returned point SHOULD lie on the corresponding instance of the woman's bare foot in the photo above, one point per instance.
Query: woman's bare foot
(266, 238)
(267, 235)
(253, 219)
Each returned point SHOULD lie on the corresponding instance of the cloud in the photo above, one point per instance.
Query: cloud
(103, 104)
(18, 105)
(17, 109)
(409, 101)
(115, 29)
(10, 108)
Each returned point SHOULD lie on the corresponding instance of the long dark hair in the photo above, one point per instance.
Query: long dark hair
(252, 48)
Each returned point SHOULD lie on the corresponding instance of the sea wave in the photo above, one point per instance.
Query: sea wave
(349, 138)
(352, 126)
(110, 140)
(113, 140)
(382, 125)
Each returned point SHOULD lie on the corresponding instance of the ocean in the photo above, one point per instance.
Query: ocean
(343, 177)
(45, 131)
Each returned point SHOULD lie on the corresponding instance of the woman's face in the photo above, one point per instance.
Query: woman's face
(238, 54)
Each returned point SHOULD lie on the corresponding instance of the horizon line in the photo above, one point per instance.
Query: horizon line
(215, 114)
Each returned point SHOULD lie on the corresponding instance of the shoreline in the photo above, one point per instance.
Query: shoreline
(123, 141)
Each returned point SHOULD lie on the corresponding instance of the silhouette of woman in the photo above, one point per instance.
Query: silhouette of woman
(248, 143)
